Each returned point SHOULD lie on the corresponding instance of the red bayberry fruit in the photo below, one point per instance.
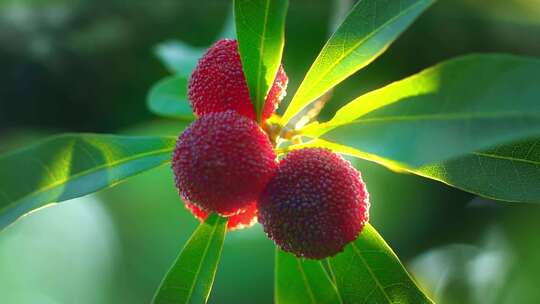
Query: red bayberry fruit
(245, 217)
(315, 204)
(222, 162)
(218, 84)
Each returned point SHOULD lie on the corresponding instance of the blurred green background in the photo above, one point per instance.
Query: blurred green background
(82, 65)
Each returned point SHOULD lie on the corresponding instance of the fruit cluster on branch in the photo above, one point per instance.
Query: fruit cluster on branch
(311, 203)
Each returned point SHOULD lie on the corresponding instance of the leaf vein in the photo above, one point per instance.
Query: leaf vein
(85, 172)
(356, 45)
(488, 155)
(305, 280)
(192, 287)
(259, 68)
(375, 278)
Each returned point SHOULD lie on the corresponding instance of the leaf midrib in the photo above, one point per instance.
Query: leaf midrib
(427, 117)
(306, 282)
(259, 67)
(85, 172)
(350, 50)
(192, 287)
(509, 158)
(373, 276)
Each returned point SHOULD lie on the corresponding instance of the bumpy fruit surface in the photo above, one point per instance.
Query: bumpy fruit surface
(218, 84)
(245, 217)
(222, 162)
(315, 204)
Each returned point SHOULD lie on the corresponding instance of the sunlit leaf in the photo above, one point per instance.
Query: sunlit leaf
(509, 173)
(368, 271)
(302, 281)
(72, 165)
(168, 98)
(368, 30)
(463, 105)
(260, 29)
(191, 276)
(345, 150)
(179, 57)
(340, 9)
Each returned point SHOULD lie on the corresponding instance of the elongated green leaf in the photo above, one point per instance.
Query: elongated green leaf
(463, 105)
(72, 165)
(368, 30)
(260, 27)
(302, 281)
(508, 173)
(168, 98)
(191, 276)
(340, 9)
(368, 271)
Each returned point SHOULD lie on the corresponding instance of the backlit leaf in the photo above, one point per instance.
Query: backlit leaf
(368, 30)
(463, 105)
(507, 173)
(191, 276)
(302, 281)
(368, 271)
(72, 165)
(260, 29)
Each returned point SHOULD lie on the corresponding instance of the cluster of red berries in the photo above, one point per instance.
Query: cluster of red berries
(311, 203)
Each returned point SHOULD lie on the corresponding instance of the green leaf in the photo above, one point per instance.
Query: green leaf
(72, 165)
(260, 29)
(338, 13)
(179, 57)
(191, 276)
(368, 30)
(463, 105)
(508, 173)
(302, 281)
(168, 98)
(368, 271)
